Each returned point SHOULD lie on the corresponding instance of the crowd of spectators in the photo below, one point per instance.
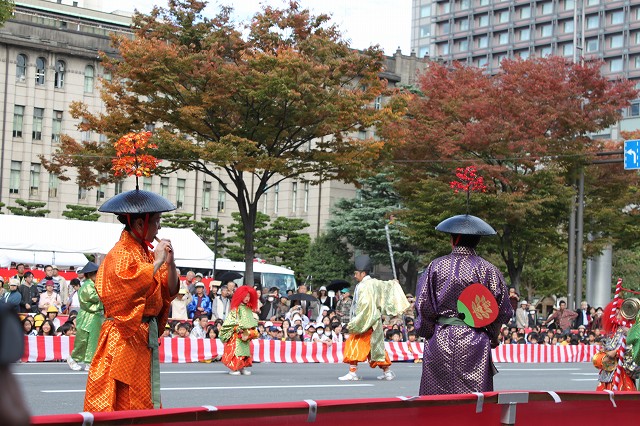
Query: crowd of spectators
(199, 310)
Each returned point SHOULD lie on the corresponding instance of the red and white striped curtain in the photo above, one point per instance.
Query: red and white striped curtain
(177, 350)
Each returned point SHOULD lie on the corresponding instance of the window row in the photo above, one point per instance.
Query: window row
(294, 198)
(37, 123)
(592, 21)
(592, 45)
(35, 170)
(58, 75)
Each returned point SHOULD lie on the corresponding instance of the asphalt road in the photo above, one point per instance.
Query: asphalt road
(51, 388)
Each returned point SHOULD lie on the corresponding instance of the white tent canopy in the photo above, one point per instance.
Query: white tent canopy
(23, 239)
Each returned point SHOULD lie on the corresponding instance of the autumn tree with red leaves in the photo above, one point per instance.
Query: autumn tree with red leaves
(246, 110)
(526, 129)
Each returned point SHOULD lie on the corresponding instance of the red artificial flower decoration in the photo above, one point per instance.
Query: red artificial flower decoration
(469, 181)
(131, 157)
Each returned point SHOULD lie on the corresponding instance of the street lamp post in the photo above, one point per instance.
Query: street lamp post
(213, 225)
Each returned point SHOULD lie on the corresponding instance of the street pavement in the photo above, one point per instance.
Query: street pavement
(52, 388)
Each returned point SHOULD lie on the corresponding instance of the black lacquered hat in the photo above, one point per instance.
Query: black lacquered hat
(137, 201)
(465, 224)
(89, 268)
(363, 263)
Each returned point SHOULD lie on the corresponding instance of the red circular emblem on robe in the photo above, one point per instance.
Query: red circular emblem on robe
(477, 305)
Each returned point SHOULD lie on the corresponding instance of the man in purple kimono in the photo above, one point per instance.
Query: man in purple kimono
(457, 357)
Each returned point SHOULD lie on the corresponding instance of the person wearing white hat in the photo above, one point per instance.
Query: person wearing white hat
(180, 303)
(522, 317)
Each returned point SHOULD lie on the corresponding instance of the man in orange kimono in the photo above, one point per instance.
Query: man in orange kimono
(136, 286)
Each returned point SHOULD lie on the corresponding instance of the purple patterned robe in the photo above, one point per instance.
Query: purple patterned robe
(457, 359)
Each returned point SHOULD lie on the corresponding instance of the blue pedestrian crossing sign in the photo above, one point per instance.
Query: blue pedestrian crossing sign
(632, 154)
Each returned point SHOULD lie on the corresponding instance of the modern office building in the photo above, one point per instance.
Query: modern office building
(483, 32)
(50, 54)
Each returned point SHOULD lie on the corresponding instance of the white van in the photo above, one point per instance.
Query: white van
(267, 275)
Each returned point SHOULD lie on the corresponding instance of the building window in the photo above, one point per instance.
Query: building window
(499, 58)
(464, 24)
(88, 79)
(546, 51)
(592, 45)
(483, 62)
(85, 135)
(146, 183)
(40, 71)
(483, 21)
(593, 21)
(306, 197)
(617, 17)
(18, 119)
(276, 192)
(524, 54)
(445, 28)
(547, 8)
(569, 4)
(484, 2)
(444, 49)
(53, 185)
(59, 75)
(100, 193)
(56, 126)
(21, 68)
(118, 187)
(617, 41)
(525, 34)
(180, 192)
(425, 31)
(615, 65)
(546, 30)
(14, 177)
(34, 179)
(294, 197)
(504, 17)
(567, 49)
(425, 11)
(593, 2)
(423, 52)
(635, 109)
(636, 62)
(38, 114)
(82, 193)
(463, 46)
(206, 196)
(164, 187)
(483, 42)
(525, 12)
(222, 198)
(377, 103)
(265, 201)
(362, 134)
(465, 4)
(503, 38)
(445, 8)
(568, 26)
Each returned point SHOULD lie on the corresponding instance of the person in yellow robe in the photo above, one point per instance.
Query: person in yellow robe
(136, 286)
(372, 299)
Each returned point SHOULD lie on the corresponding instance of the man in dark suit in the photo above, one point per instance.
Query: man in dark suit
(584, 317)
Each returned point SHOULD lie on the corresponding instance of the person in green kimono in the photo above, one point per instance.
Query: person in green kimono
(88, 322)
(238, 329)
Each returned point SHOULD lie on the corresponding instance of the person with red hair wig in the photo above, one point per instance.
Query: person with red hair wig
(239, 327)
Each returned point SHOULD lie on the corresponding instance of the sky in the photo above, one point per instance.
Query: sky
(363, 22)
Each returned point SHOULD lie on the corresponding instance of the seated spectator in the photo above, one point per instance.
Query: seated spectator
(52, 315)
(199, 327)
(183, 330)
(66, 329)
(27, 326)
(47, 329)
(38, 320)
(310, 330)
(272, 333)
(167, 331)
(180, 303)
(395, 336)
(336, 332)
(321, 336)
(532, 338)
(212, 332)
(292, 335)
(412, 336)
(200, 304)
